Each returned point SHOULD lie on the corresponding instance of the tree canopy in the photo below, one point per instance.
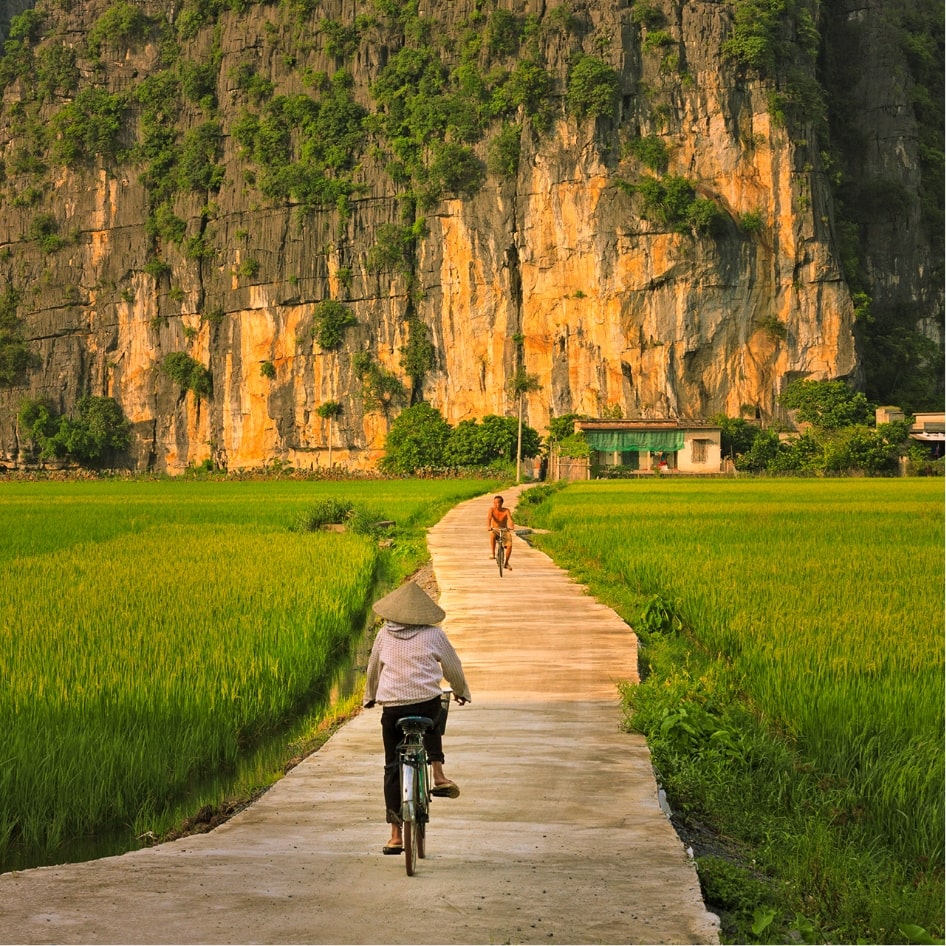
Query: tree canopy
(97, 430)
(420, 438)
(829, 405)
(842, 437)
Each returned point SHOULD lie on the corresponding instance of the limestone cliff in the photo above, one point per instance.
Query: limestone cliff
(602, 195)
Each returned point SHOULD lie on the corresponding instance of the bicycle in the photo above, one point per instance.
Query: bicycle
(503, 542)
(416, 782)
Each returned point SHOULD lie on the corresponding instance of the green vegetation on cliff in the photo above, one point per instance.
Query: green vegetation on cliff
(358, 128)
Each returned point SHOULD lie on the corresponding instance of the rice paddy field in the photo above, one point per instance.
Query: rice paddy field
(793, 634)
(152, 633)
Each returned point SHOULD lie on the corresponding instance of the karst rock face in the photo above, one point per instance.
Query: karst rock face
(554, 268)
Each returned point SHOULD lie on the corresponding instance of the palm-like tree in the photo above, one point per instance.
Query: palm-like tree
(522, 384)
(329, 411)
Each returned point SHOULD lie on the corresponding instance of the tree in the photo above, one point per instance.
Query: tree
(858, 447)
(828, 405)
(466, 445)
(764, 449)
(329, 410)
(500, 435)
(416, 440)
(99, 428)
(737, 434)
(522, 384)
(562, 427)
(494, 440)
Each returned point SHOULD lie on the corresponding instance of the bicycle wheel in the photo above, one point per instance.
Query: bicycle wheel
(422, 809)
(500, 554)
(409, 828)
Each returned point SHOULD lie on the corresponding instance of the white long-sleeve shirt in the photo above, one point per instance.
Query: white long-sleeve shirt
(408, 663)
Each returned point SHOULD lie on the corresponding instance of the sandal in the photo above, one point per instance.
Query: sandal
(446, 790)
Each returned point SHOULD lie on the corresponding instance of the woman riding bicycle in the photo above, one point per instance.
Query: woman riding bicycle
(410, 657)
(499, 517)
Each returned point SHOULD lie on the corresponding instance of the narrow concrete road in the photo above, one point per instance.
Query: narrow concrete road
(556, 837)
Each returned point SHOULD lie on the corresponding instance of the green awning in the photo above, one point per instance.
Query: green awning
(641, 441)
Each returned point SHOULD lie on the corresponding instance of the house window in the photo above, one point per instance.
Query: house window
(699, 450)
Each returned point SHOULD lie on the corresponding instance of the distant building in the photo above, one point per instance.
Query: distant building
(633, 447)
(930, 429)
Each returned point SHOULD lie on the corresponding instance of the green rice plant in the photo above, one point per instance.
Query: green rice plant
(153, 634)
(817, 607)
(166, 670)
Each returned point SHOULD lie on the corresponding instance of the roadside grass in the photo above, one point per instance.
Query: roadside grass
(154, 635)
(792, 695)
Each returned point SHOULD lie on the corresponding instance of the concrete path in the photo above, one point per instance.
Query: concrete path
(557, 836)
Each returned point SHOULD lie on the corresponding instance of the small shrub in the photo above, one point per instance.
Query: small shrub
(26, 27)
(504, 151)
(560, 18)
(418, 356)
(248, 268)
(650, 151)
(14, 355)
(164, 223)
(341, 40)
(592, 88)
(88, 126)
(503, 33)
(457, 169)
(156, 268)
(331, 320)
(199, 83)
(44, 228)
(198, 247)
(56, 71)
(393, 248)
(644, 13)
(380, 387)
(658, 39)
(750, 222)
(328, 511)
(268, 370)
(672, 201)
(122, 22)
(197, 167)
(189, 373)
(214, 316)
(329, 410)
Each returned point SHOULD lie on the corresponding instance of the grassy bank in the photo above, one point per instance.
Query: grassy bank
(793, 660)
(153, 634)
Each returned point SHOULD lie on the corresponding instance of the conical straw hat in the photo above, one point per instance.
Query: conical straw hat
(409, 604)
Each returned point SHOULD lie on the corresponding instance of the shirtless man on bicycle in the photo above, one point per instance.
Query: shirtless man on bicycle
(499, 517)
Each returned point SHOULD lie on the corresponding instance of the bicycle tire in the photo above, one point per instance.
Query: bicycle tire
(500, 554)
(409, 830)
(422, 808)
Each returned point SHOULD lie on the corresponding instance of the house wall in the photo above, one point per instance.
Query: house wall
(701, 452)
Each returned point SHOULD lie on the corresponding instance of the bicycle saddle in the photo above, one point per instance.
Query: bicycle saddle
(415, 723)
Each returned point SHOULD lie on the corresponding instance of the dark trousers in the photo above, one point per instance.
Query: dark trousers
(392, 735)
